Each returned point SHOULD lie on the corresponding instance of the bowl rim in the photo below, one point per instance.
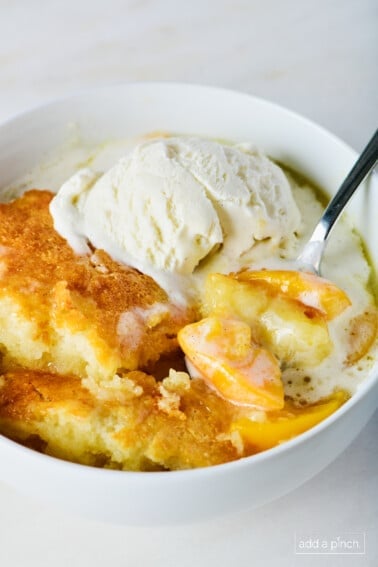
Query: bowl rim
(268, 454)
(90, 91)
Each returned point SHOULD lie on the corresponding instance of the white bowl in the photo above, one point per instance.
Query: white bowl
(134, 109)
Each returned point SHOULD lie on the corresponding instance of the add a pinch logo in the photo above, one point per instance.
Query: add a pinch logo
(350, 543)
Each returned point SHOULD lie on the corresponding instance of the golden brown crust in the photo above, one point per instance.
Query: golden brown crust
(63, 294)
(76, 321)
(175, 424)
(26, 395)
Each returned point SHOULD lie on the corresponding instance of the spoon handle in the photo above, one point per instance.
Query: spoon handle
(313, 251)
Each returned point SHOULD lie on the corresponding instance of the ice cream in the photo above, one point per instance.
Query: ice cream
(172, 202)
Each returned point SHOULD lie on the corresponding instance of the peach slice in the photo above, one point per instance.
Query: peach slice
(225, 294)
(363, 330)
(304, 287)
(283, 425)
(294, 332)
(220, 351)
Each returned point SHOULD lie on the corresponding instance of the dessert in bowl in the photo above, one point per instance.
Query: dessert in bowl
(89, 385)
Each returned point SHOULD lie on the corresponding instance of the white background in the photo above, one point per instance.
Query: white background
(317, 58)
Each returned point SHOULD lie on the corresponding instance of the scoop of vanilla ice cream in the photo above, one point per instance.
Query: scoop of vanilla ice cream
(173, 201)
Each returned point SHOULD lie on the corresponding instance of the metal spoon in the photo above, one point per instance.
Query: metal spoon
(312, 254)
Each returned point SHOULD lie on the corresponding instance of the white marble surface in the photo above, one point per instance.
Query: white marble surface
(318, 58)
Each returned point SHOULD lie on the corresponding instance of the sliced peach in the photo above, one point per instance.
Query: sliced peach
(294, 332)
(225, 294)
(287, 423)
(307, 288)
(220, 351)
(362, 332)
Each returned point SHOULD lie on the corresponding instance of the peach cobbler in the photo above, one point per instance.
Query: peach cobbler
(102, 364)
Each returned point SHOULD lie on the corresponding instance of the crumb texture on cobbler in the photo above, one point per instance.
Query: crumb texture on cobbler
(73, 331)
(168, 425)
